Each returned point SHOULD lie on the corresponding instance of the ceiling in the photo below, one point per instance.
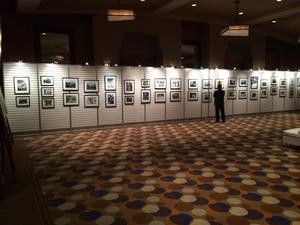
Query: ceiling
(258, 13)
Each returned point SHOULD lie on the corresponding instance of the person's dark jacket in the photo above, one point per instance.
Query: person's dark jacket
(219, 97)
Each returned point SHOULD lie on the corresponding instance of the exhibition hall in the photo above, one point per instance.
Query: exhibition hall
(150, 112)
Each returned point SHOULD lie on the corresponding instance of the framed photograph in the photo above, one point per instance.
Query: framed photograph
(264, 93)
(46, 81)
(282, 83)
(207, 83)
(193, 84)
(91, 86)
(292, 82)
(206, 97)
(273, 81)
(128, 86)
(175, 96)
(110, 83)
(242, 94)
(160, 83)
(110, 99)
(91, 101)
(175, 83)
(22, 101)
(291, 93)
(70, 84)
(282, 93)
(264, 83)
(22, 85)
(298, 82)
(219, 81)
(298, 93)
(145, 83)
(243, 82)
(231, 82)
(193, 95)
(146, 96)
(160, 96)
(274, 90)
(254, 82)
(231, 95)
(253, 95)
(129, 100)
(71, 99)
(48, 103)
(47, 91)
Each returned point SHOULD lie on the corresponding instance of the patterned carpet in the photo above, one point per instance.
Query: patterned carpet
(193, 172)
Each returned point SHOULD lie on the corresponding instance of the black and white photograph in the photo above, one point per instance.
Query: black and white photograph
(207, 83)
(253, 95)
(71, 99)
(91, 86)
(231, 82)
(128, 87)
(110, 99)
(243, 82)
(291, 93)
(282, 93)
(91, 101)
(231, 95)
(160, 83)
(274, 90)
(47, 91)
(175, 83)
(264, 83)
(48, 103)
(110, 83)
(46, 81)
(70, 84)
(146, 96)
(192, 95)
(145, 83)
(219, 81)
(298, 83)
(282, 83)
(129, 100)
(160, 96)
(193, 84)
(22, 85)
(22, 101)
(298, 93)
(264, 93)
(175, 96)
(206, 97)
(274, 81)
(254, 82)
(242, 94)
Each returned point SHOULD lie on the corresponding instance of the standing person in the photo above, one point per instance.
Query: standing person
(219, 103)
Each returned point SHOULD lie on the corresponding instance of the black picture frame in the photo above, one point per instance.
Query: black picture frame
(48, 103)
(110, 99)
(47, 80)
(91, 101)
(70, 84)
(47, 91)
(175, 96)
(21, 85)
(145, 96)
(22, 101)
(91, 86)
(67, 99)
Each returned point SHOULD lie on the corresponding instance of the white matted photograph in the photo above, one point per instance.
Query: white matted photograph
(253, 95)
(207, 83)
(160, 96)
(160, 83)
(175, 96)
(193, 95)
(47, 91)
(253, 82)
(206, 97)
(129, 100)
(243, 82)
(282, 93)
(110, 99)
(146, 96)
(282, 83)
(22, 85)
(128, 86)
(231, 82)
(71, 99)
(175, 83)
(145, 83)
(48, 103)
(298, 93)
(70, 84)
(110, 83)
(91, 101)
(274, 81)
(264, 93)
(219, 81)
(264, 83)
(298, 82)
(193, 84)
(291, 93)
(242, 94)
(46, 81)
(22, 101)
(91, 86)
(231, 95)
(274, 90)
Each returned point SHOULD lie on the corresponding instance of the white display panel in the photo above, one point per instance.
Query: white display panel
(252, 104)
(110, 115)
(133, 113)
(290, 102)
(59, 116)
(266, 104)
(155, 111)
(174, 108)
(297, 90)
(240, 105)
(278, 102)
(80, 115)
(205, 75)
(21, 119)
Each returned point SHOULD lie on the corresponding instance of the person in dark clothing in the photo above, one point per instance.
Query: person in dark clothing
(219, 103)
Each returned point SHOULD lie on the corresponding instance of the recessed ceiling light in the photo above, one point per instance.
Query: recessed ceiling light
(241, 13)
(274, 21)
(44, 34)
(194, 5)
(142, 0)
(278, 0)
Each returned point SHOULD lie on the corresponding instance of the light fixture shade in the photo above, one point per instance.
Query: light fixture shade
(120, 14)
(236, 30)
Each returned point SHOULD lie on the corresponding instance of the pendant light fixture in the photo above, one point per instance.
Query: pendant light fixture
(236, 29)
(120, 14)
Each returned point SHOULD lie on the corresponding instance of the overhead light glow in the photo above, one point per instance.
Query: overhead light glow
(241, 13)
(194, 5)
(236, 30)
(274, 21)
(120, 15)
(278, 0)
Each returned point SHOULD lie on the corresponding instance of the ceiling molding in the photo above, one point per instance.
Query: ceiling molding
(171, 6)
(27, 6)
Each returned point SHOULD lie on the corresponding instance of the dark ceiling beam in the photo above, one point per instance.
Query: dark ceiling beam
(171, 6)
(27, 6)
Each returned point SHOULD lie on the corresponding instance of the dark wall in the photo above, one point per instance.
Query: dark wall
(20, 36)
